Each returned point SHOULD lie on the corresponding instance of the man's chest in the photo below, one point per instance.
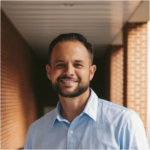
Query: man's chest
(87, 135)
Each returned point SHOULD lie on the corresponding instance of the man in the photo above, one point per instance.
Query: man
(81, 120)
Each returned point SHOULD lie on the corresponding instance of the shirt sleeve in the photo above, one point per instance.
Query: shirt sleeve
(133, 134)
(27, 145)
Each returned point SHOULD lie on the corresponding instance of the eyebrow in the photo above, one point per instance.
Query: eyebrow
(64, 61)
(78, 60)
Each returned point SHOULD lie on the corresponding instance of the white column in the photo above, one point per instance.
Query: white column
(148, 86)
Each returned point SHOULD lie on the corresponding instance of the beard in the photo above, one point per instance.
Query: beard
(80, 89)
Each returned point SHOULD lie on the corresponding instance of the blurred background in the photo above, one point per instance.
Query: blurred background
(118, 31)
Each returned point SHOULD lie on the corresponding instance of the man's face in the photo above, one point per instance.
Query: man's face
(70, 70)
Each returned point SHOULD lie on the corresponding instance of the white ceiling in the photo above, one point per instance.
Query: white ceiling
(39, 22)
(142, 14)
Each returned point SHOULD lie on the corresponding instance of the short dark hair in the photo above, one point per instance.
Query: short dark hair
(72, 37)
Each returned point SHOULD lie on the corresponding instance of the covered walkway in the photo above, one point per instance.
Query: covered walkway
(119, 32)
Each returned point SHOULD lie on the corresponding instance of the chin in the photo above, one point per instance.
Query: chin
(68, 90)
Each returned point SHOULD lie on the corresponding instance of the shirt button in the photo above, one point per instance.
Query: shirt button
(71, 131)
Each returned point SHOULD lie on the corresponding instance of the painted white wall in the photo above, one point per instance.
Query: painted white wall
(148, 86)
(141, 14)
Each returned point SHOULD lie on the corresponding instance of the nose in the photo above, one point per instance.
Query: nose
(69, 70)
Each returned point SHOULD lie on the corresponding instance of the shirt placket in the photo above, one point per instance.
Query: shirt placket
(71, 135)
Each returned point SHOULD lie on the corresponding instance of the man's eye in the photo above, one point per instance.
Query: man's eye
(60, 65)
(78, 65)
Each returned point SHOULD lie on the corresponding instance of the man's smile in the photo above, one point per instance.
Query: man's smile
(68, 82)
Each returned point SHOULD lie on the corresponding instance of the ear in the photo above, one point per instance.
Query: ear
(48, 69)
(92, 71)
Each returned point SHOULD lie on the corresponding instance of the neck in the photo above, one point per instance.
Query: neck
(73, 107)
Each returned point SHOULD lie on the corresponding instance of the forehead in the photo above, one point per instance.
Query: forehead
(69, 49)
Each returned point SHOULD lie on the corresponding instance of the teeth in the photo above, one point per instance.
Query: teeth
(68, 81)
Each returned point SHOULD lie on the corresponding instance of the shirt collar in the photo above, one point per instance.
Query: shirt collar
(90, 108)
(56, 113)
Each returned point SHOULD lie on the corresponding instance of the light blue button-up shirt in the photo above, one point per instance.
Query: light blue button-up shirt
(101, 125)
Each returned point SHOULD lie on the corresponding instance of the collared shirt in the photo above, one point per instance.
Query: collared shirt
(101, 125)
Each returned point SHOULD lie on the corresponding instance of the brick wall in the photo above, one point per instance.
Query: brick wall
(116, 74)
(18, 109)
(135, 45)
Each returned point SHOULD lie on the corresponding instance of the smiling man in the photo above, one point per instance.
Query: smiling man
(81, 120)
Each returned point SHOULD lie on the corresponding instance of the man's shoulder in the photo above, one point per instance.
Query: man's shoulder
(112, 111)
(112, 106)
(44, 121)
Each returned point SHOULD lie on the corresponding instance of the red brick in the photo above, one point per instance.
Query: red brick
(134, 33)
(18, 96)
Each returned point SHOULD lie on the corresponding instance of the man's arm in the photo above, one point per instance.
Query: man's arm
(133, 134)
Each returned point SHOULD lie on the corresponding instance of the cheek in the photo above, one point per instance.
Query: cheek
(83, 74)
(55, 74)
